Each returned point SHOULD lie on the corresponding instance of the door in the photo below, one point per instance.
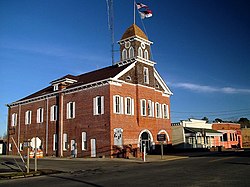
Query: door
(93, 147)
(145, 141)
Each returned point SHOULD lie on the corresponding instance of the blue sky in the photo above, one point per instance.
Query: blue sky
(202, 49)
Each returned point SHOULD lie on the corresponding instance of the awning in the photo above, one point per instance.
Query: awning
(201, 132)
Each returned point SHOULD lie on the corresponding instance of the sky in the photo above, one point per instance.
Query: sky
(201, 47)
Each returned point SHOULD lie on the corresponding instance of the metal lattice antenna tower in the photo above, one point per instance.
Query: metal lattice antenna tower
(110, 12)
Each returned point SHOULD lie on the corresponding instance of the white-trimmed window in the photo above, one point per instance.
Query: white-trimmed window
(65, 141)
(21, 147)
(146, 56)
(140, 52)
(84, 141)
(118, 104)
(145, 75)
(70, 110)
(165, 111)
(53, 113)
(150, 108)
(10, 147)
(129, 106)
(124, 54)
(28, 117)
(157, 110)
(14, 119)
(54, 142)
(39, 115)
(98, 105)
(131, 52)
(143, 107)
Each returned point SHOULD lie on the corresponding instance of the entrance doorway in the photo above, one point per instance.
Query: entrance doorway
(145, 140)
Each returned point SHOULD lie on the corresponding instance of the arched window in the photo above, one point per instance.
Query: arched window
(146, 54)
(124, 54)
(131, 53)
(140, 53)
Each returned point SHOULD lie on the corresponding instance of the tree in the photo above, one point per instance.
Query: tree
(218, 120)
(244, 122)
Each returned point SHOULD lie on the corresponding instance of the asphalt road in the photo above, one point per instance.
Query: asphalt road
(226, 169)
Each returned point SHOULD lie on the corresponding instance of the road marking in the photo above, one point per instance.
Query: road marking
(220, 159)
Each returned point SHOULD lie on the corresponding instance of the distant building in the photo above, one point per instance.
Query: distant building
(232, 137)
(96, 114)
(194, 133)
(245, 133)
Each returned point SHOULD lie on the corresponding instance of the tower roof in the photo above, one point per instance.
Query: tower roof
(134, 30)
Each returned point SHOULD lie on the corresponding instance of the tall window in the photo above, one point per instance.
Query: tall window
(124, 54)
(84, 141)
(165, 111)
(39, 115)
(55, 142)
(131, 52)
(53, 113)
(65, 141)
(98, 105)
(118, 104)
(146, 54)
(158, 110)
(140, 53)
(129, 106)
(14, 119)
(70, 110)
(28, 117)
(145, 75)
(143, 107)
(150, 108)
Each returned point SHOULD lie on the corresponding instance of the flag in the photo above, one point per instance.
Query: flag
(140, 5)
(146, 14)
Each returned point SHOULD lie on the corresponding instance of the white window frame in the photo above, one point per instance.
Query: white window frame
(150, 108)
(10, 146)
(165, 111)
(70, 110)
(98, 105)
(55, 142)
(143, 103)
(146, 56)
(21, 147)
(39, 115)
(28, 115)
(117, 104)
(14, 119)
(140, 52)
(65, 142)
(131, 52)
(124, 54)
(157, 110)
(146, 75)
(53, 113)
(129, 106)
(84, 141)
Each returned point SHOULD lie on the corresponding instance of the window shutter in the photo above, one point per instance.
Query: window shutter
(94, 106)
(74, 109)
(141, 101)
(102, 105)
(114, 104)
(153, 109)
(121, 105)
(51, 113)
(167, 108)
(132, 107)
(68, 107)
(126, 105)
(160, 111)
(42, 116)
(38, 115)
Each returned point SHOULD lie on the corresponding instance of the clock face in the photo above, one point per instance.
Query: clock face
(127, 44)
(143, 45)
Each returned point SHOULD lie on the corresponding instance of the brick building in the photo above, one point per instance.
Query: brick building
(231, 137)
(95, 114)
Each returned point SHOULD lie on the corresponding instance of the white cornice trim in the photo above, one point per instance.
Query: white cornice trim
(162, 83)
(137, 38)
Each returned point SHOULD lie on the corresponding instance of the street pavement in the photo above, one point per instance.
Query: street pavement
(193, 169)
